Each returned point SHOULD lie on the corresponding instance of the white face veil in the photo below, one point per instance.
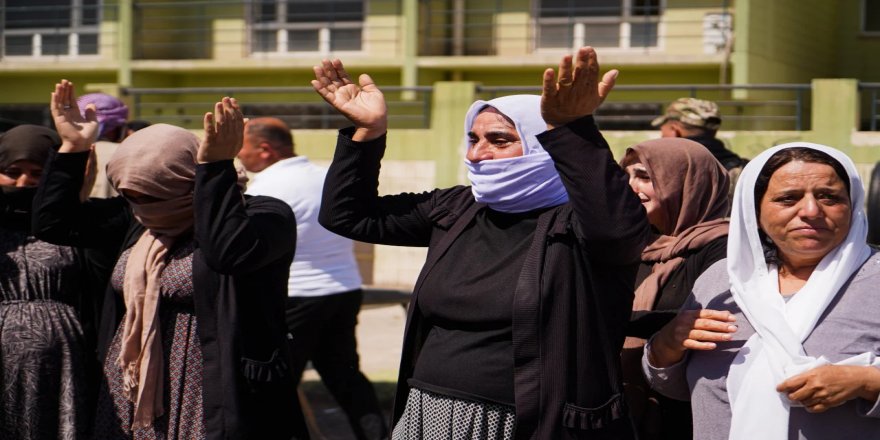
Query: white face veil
(775, 352)
(516, 184)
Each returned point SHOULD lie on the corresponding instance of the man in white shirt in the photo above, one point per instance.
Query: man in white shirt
(324, 288)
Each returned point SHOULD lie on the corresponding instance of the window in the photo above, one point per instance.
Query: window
(307, 26)
(871, 16)
(36, 28)
(564, 24)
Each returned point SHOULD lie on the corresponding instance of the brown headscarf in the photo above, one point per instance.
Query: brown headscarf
(691, 188)
(158, 161)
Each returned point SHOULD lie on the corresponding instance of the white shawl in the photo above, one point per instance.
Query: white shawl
(775, 352)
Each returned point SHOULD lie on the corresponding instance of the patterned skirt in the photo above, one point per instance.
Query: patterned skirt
(183, 385)
(433, 416)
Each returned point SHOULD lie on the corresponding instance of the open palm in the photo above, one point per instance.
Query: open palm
(77, 133)
(363, 103)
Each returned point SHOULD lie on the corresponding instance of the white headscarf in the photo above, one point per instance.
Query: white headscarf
(516, 184)
(775, 352)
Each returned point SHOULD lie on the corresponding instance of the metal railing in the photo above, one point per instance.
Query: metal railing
(870, 102)
(633, 107)
(299, 107)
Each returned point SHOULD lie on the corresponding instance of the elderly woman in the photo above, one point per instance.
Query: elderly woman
(516, 321)
(684, 191)
(192, 339)
(779, 340)
(44, 349)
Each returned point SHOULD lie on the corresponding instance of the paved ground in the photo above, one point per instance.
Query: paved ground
(379, 332)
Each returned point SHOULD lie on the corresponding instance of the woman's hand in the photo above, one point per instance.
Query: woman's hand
(224, 132)
(363, 105)
(577, 92)
(77, 133)
(690, 330)
(832, 385)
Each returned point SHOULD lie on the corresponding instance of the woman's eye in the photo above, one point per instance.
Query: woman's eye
(13, 173)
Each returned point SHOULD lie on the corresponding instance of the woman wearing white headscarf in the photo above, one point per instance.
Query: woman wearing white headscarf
(192, 336)
(779, 340)
(517, 319)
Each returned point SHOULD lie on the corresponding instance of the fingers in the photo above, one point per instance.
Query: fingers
(549, 89)
(91, 113)
(209, 124)
(565, 72)
(330, 72)
(366, 81)
(607, 83)
(340, 72)
(586, 68)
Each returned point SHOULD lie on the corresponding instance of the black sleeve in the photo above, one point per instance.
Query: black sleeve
(238, 236)
(608, 215)
(351, 205)
(60, 217)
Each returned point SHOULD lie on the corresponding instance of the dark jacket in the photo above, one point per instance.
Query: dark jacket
(244, 247)
(573, 297)
(676, 290)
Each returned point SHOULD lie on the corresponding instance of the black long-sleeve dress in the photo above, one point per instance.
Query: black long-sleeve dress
(242, 248)
(573, 294)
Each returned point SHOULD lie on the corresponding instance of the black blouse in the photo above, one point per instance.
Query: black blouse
(468, 352)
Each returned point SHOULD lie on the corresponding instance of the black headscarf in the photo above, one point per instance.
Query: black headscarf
(27, 142)
(24, 142)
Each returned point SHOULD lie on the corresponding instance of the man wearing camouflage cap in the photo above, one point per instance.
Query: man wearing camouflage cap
(698, 120)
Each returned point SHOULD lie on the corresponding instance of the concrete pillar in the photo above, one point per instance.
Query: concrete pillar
(410, 74)
(125, 40)
(835, 112)
(450, 104)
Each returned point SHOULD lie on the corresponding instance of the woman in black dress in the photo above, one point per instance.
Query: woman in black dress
(192, 336)
(44, 383)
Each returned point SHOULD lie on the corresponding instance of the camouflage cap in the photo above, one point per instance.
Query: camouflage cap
(691, 111)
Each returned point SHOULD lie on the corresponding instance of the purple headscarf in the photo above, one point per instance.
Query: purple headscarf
(112, 113)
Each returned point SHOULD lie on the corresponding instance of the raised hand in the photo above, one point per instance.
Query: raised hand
(825, 387)
(77, 133)
(224, 132)
(577, 92)
(363, 103)
(690, 330)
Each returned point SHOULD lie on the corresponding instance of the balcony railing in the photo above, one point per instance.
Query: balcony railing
(633, 107)
(630, 107)
(299, 107)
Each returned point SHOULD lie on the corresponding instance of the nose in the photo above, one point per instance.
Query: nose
(479, 151)
(809, 207)
(26, 180)
(633, 184)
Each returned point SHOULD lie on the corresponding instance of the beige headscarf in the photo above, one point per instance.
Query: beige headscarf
(158, 161)
(691, 188)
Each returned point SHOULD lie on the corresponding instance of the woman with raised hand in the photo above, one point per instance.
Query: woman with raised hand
(46, 376)
(192, 338)
(684, 192)
(779, 340)
(516, 322)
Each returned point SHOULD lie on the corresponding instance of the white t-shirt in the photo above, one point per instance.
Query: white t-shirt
(324, 263)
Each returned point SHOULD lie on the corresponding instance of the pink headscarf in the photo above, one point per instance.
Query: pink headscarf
(158, 161)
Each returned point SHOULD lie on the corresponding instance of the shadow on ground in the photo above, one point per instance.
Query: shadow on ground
(330, 419)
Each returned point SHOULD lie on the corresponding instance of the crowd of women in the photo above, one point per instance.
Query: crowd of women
(564, 296)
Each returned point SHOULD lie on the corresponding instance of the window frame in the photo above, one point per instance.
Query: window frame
(281, 28)
(73, 33)
(624, 20)
(863, 20)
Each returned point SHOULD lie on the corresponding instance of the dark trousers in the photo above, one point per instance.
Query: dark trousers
(323, 331)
